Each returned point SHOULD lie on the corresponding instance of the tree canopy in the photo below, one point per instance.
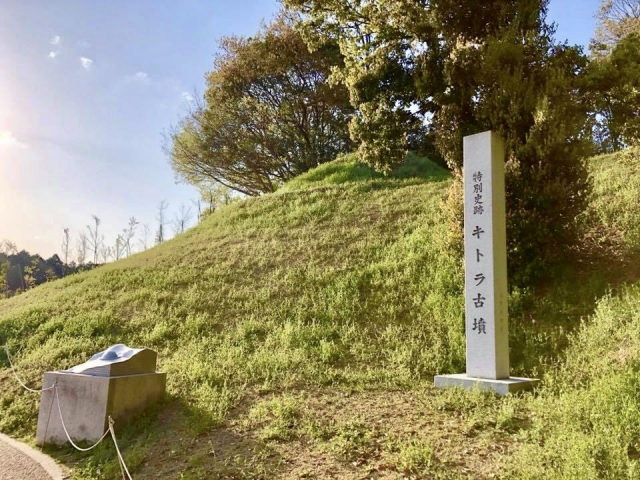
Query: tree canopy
(462, 67)
(616, 20)
(614, 74)
(269, 113)
(615, 83)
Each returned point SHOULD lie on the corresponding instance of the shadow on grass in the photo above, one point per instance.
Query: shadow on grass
(173, 440)
(542, 320)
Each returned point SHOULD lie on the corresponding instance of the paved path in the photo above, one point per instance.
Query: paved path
(21, 462)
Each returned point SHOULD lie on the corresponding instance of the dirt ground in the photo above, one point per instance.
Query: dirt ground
(348, 435)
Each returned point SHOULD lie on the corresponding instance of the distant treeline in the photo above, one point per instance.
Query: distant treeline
(20, 271)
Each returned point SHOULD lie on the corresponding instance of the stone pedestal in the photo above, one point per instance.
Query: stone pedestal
(501, 387)
(87, 400)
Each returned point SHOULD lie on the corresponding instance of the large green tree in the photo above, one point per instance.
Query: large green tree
(614, 74)
(615, 83)
(463, 66)
(269, 113)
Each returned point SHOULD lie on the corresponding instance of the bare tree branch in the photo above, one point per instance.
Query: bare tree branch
(181, 219)
(94, 238)
(162, 222)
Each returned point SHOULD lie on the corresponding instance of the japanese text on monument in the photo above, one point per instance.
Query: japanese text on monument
(479, 323)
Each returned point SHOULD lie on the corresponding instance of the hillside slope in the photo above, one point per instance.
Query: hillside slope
(300, 332)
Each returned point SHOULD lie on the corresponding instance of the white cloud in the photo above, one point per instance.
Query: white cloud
(83, 44)
(86, 63)
(141, 78)
(53, 54)
(7, 140)
(187, 97)
(56, 40)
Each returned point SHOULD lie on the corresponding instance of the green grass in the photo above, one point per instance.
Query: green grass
(615, 207)
(300, 332)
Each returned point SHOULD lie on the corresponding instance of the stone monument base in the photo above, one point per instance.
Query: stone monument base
(87, 402)
(501, 387)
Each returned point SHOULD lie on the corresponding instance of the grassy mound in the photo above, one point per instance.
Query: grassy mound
(300, 332)
(615, 209)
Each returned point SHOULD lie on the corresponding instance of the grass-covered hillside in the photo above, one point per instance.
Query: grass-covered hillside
(300, 332)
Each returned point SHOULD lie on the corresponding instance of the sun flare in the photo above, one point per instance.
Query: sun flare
(7, 139)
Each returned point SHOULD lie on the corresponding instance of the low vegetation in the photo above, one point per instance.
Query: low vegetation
(300, 331)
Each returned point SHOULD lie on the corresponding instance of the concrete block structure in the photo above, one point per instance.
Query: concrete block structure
(119, 383)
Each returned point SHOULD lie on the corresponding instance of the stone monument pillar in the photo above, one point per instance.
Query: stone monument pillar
(485, 245)
(119, 382)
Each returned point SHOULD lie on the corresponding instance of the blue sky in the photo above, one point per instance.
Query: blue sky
(86, 90)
